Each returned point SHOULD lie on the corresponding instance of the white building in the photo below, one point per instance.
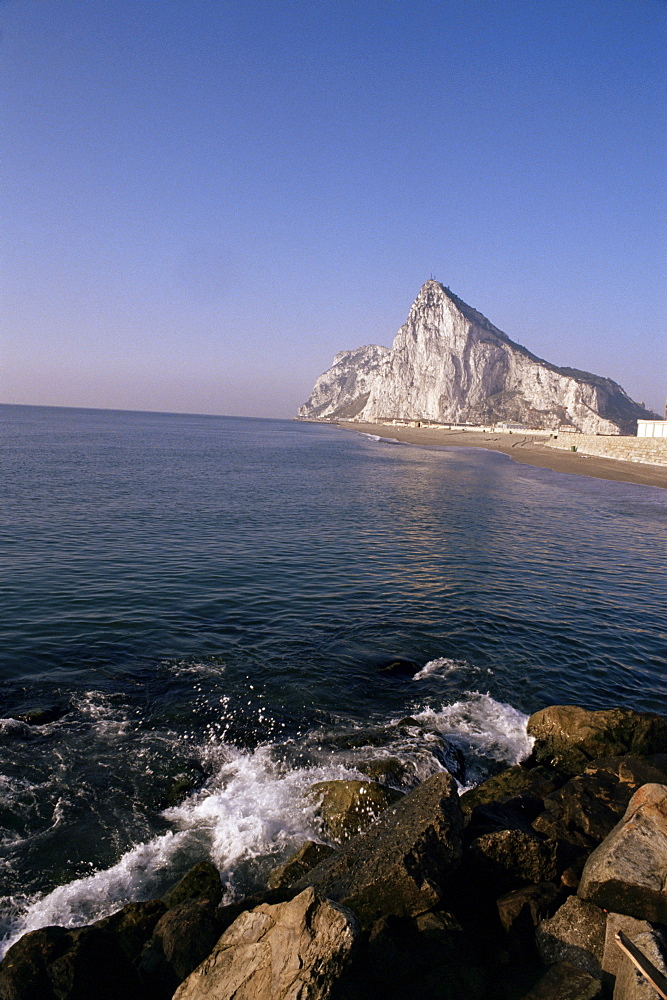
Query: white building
(652, 428)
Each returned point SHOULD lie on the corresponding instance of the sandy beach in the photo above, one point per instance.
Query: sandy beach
(522, 448)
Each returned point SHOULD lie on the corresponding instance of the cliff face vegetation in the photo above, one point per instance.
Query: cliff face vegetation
(449, 364)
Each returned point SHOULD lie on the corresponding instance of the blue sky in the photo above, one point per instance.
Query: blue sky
(204, 200)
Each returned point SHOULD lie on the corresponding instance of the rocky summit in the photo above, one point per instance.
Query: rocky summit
(449, 364)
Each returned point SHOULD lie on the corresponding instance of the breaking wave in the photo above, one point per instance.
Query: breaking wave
(252, 812)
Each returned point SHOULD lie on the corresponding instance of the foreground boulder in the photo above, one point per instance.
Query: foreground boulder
(627, 873)
(568, 737)
(399, 866)
(297, 949)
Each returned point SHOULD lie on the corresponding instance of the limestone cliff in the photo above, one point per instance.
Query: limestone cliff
(449, 364)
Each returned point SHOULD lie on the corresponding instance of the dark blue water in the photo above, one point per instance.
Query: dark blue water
(207, 604)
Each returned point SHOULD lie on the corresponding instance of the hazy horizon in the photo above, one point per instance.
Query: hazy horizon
(204, 203)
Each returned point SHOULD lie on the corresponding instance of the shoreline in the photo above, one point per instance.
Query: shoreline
(522, 448)
(515, 889)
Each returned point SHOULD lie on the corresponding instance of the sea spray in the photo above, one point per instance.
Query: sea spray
(252, 813)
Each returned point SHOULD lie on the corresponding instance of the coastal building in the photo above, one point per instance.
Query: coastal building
(652, 428)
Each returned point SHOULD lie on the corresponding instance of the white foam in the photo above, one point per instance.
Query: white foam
(108, 719)
(441, 665)
(15, 728)
(491, 727)
(253, 808)
(184, 668)
(95, 896)
(378, 437)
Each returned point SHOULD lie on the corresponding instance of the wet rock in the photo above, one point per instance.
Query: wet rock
(630, 983)
(347, 808)
(512, 814)
(201, 882)
(575, 934)
(295, 949)
(302, 861)
(133, 925)
(568, 737)
(399, 666)
(504, 860)
(59, 964)
(181, 786)
(390, 771)
(176, 778)
(400, 864)
(566, 982)
(536, 782)
(41, 715)
(182, 939)
(627, 873)
(411, 735)
(12, 729)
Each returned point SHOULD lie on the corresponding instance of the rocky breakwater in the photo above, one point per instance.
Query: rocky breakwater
(513, 890)
(450, 364)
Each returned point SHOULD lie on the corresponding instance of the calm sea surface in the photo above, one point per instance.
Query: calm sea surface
(207, 605)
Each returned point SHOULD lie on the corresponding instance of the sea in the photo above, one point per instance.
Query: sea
(213, 613)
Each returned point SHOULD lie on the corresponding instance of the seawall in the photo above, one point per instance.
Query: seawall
(650, 451)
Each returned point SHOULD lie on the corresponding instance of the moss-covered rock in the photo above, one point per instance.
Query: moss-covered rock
(347, 808)
(201, 882)
(399, 865)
